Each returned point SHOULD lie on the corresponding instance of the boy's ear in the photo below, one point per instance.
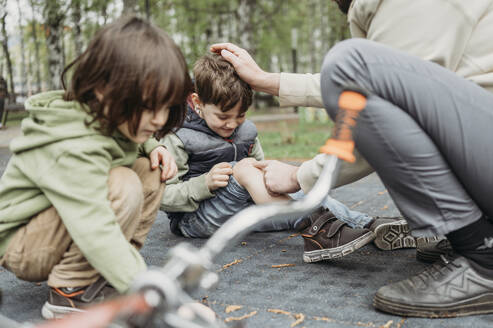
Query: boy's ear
(197, 104)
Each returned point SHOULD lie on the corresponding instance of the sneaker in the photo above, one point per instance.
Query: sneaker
(65, 300)
(393, 233)
(431, 252)
(448, 288)
(329, 238)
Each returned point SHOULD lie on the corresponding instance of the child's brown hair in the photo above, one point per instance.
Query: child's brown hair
(134, 66)
(217, 83)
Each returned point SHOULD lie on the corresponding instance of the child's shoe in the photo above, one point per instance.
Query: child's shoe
(66, 300)
(329, 238)
(394, 233)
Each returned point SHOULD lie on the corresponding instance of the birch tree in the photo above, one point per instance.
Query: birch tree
(23, 50)
(76, 29)
(37, 57)
(4, 40)
(53, 28)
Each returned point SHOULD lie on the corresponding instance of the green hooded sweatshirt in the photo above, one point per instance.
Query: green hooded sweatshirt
(60, 162)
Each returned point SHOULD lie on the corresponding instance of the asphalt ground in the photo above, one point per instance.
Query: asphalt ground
(335, 293)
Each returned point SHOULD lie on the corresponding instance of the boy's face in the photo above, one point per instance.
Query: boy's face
(150, 122)
(223, 123)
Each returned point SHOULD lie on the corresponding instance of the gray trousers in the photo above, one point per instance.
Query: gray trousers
(427, 132)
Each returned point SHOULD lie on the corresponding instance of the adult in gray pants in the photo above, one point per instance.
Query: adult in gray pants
(427, 133)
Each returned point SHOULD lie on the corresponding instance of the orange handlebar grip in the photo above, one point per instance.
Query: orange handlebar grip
(351, 100)
(341, 144)
(340, 148)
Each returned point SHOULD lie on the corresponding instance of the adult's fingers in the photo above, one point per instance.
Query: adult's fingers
(230, 57)
(260, 164)
(217, 47)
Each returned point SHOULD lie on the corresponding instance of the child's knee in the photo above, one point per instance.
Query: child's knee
(125, 189)
(150, 179)
(243, 169)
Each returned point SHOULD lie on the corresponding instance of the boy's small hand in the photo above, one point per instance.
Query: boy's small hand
(161, 156)
(218, 176)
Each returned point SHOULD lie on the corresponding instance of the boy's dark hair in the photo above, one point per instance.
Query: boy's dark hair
(217, 83)
(135, 66)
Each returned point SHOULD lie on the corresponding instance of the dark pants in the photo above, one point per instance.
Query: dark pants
(426, 131)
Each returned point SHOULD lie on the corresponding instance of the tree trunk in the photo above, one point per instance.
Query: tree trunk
(4, 40)
(37, 57)
(130, 7)
(23, 49)
(245, 15)
(148, 9)
(53, 28)
(77, 31)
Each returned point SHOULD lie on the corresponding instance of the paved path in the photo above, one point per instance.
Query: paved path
(7, 134)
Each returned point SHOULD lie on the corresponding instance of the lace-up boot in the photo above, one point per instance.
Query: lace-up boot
(448, 288)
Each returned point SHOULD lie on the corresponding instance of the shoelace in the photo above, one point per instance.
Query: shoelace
(435, 271)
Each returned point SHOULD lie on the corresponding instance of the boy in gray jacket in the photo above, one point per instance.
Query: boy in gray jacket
(215, 152)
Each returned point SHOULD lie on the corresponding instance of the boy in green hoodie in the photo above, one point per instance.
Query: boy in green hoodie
(84, 184)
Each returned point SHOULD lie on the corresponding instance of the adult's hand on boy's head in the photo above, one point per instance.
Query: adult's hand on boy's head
(279, 178)
(218, 176)
(160, 156)
(247, 68)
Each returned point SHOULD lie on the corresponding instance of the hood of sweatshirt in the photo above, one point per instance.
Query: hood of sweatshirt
(51, 119)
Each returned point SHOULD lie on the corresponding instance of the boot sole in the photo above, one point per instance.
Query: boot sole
(481, 304)
(338, 252)
(50, 311)
(396, 235)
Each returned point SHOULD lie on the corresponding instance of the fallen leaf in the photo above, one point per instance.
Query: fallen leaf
(300, 317)
(232, 308)
(283, 265)
(283, 250)
(385, 207)
(232, 263)
(324, 319)
(388, 324)
(251, 314)
(277, 311)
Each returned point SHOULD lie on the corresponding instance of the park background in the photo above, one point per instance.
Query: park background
(39, 38)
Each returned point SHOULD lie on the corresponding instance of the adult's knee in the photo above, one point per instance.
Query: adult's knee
(343, 66)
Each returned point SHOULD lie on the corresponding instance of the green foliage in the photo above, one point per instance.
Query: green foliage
(195, 24)
(307, 139)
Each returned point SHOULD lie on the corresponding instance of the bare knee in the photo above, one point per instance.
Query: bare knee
(243, 170)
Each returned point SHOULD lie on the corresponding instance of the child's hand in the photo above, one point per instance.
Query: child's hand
(161, 156)
(218, 176)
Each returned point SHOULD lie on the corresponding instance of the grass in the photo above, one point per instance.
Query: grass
(280, 140)
(294, 140)
(15, 118)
